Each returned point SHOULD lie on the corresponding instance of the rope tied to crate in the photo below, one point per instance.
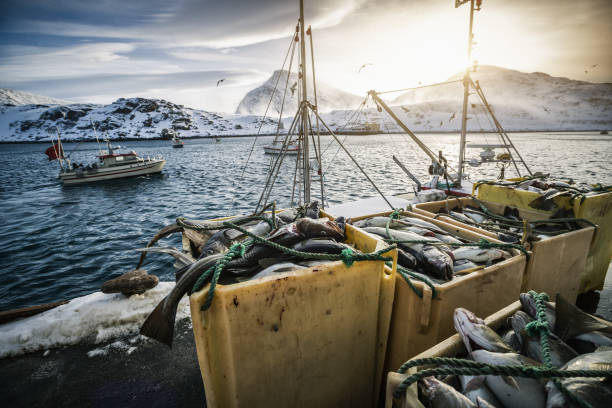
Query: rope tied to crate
(407, 274)
(468, 367)
(347, 256)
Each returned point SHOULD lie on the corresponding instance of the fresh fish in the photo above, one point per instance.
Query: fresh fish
(447, 239)
(320, 246)
(437, 263)
(311, 262)
(164, 232)
(595, 391)
(476, 254)
(528, 304)
(473, 330)
(423, 224)
(288, 216)
(220, 242)
(571, 321)
(183, 258)
(474, 387)
(380, 222)
(461, 217)
(441, 395)
(560, 353)
(278, 268)
(512, 391)
(462, 264)
(319, 228)
(406, 259)
(263, 228)
(474, 215)
(313, 209)
(160, 323)
(483, 403)
(546, 201)
(511, 339)
(594, 339)
(417, 230)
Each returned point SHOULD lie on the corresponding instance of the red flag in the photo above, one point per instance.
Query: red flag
(54, 152)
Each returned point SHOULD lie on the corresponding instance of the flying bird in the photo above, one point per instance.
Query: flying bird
(293, 88)
(594, 65)
(363, 66)
(452, 116)
(219, 81)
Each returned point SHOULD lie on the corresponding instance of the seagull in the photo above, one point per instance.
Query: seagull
(594, 65)
(452, 116)
(293, 88)
(219, 81)
(363, 66)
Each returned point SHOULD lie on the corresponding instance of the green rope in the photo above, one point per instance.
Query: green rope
(407, 274)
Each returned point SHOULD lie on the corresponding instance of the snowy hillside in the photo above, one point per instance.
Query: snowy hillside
(14, 97)
(521, 101)
(124, 118)
(328, 97)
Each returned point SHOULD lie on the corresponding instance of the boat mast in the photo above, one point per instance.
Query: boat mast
(466, 88)
(305, 152)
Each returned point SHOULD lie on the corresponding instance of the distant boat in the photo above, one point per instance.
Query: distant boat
(110, 165)
(603, 132)
(218, 139)
(176, 142)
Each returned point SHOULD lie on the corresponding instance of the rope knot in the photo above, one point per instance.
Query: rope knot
(239, 249)
(534, 328)
(395, 214)
(348, 256)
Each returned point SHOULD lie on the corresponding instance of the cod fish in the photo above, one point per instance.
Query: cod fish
(474, 331)
(528, 304)
(463, 264)
(160, 323)
(220, 242)
(512, 391)
(278, 268)
(462, 217)
(571, 321)
(596, 391)
(474, 388)
(560, 353)
(441, 395)
(475, 254)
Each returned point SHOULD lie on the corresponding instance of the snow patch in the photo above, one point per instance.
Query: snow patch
(94, 318)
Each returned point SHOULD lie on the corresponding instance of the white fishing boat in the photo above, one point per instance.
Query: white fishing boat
(110, 165)
(176, 142)
(278, 148)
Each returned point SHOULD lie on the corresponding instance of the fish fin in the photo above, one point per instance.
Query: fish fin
(570, 321)
(474, 383)
(159, 325)
(511, 382)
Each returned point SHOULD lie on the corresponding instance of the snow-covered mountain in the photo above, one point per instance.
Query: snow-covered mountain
(125, 118)
(328, 97)
(521, 101)
(14, 97)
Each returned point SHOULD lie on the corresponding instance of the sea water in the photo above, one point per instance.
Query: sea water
(58, 242)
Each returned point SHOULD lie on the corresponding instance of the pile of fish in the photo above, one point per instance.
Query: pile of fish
(579, 341)
(509, 226)
(438, 260)
(306, 234)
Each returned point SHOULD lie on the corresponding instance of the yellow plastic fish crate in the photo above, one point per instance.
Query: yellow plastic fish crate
(597, 209)
(314, 337)
(451, 347)
(556, 264)
(419, 323)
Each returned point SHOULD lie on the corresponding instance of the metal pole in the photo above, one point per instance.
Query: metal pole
(314, 86)
(305, 146)
(466, 94)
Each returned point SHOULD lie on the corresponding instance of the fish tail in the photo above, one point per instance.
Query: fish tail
(159, 325)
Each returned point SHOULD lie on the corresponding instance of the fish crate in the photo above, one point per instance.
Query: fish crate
(311, 337)
(450, 347)
(418, 323)
(597, 209)
(555, 265)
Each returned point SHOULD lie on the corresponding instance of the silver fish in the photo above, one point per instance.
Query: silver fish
(595, 391)
(476, 254)
(423, 224)
(462, 264)
(461, 217)
(512, 391)
(571, 321)
(528, 304)
(278, 268)
(475, 216)
(474, 387)
(473, 329)
(441, 395)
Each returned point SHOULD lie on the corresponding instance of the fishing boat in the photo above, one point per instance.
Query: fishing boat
(176, 142)
(110, 165)
(277, 147)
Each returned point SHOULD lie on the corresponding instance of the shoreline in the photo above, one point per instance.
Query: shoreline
(347, 133)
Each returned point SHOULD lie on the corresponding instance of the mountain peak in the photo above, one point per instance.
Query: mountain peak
(17, 98)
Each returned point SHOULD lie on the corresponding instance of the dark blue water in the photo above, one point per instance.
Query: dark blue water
(60, 242)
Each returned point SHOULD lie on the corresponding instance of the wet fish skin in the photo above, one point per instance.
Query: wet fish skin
(479, 255)
(471, 328)
(441, 395)
(164, 232)
(511, 339)
(512, 391)
(596, 391)
(220, 242)
(475, 388)
(406, 259)
(529, 306)
(461, 217)
(423, 224)
(160, 323)
(475, 216)
(319, 228)
(462, 264)
(321, 246)
(278, 268)
(571, 321)
(560, 352)
(438, 263)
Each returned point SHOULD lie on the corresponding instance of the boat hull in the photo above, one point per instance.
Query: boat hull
(132, 170)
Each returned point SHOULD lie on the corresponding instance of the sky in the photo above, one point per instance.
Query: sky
(86, 51)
